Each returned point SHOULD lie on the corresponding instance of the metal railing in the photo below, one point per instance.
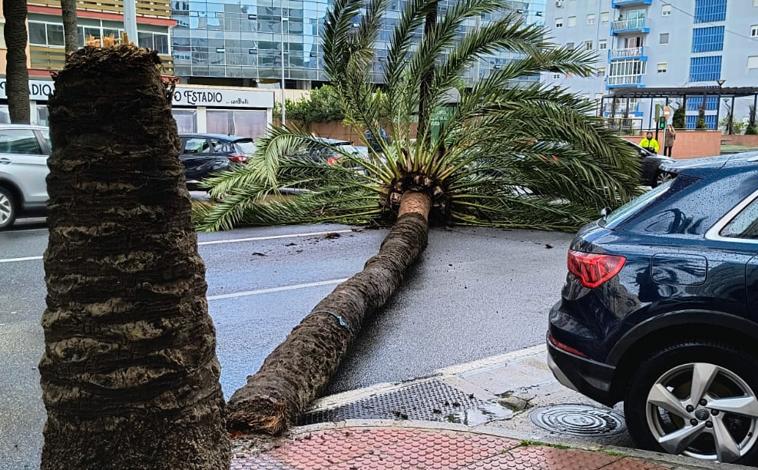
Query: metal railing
(155, 8)
(628, 53)
(620, 80)
(631, 24)
(53, 58)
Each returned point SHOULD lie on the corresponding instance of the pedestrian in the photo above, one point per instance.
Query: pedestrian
(649, 143)
(668, 141)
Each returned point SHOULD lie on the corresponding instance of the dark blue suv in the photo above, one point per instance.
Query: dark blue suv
(660, 310)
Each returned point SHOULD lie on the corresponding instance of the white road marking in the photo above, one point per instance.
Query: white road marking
(216, 242)
(270, 290)
(13, 260)
(271, 237)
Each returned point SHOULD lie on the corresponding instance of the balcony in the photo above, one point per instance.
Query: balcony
(151, 8)
(53, 58)
(626, 81)
(630, 3)
(629, 53)
(632, 25)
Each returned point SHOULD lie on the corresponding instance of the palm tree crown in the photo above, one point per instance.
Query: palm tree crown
(509, 154)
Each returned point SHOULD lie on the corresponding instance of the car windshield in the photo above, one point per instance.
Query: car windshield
(245, 146)
(615, 218)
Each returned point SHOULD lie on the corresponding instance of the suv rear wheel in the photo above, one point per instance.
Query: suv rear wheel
(8, 208)
(698, 399)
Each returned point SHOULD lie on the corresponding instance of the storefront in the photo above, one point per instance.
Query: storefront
(246, 112)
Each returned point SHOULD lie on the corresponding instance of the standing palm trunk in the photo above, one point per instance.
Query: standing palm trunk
(70, 33)
(129, 374)
(16, 74)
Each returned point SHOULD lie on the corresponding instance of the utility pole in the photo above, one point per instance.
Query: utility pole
(130, 20)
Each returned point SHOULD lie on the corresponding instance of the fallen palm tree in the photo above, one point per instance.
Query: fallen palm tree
(509, 154)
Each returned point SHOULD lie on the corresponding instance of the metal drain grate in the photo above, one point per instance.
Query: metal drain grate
(578, 420)
(431, 400)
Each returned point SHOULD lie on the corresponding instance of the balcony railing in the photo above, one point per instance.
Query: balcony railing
(630, 25)
(628, 53)
(53, 58)
(630, 3)
(625, 81)
(154, 8)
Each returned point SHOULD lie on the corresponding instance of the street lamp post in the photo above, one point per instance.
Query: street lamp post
(718, 101)
(130, 20)
(284, 106)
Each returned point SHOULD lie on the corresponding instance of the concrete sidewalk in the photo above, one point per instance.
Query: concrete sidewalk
(388, 445)
(502, 412)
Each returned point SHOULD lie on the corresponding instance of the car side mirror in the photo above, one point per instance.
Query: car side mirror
(604, 212)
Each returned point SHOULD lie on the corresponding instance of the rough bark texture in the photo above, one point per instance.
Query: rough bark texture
(295, 372)
(16, 74)
(70, 33)
(130, 377)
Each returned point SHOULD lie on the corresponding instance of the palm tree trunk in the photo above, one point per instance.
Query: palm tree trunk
(70, 33)
(129, 375)
(16, 74)
(298, 369)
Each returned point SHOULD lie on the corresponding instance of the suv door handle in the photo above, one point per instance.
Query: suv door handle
(5, 161)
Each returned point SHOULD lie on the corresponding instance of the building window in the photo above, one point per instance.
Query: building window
(663, 38)
(570, 45)
(666, 10)
(752, 62)
(710, 121)
(559, 22)
(606, 16)
(663, 67)
(556, 76)
(694, 103)
(754, 31)
(705, 69)
(708, 11)
(588, 45)
(591, 18)
(571, 21)
(155, 41)
(45, 34)
(708, 39)
(602, 44)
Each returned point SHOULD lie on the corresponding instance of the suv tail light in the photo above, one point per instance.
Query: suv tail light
(237, 158)
(332, 160)
(594, 269)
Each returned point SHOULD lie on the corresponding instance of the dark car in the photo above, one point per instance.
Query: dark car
(236, 149)
(660, 311)
(651, 173)
(206, 154)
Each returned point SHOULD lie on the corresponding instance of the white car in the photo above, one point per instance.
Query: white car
(24, 150)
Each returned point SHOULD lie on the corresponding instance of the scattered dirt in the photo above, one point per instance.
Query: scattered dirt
(332, 236)
(548, 246)
(298, 251)
(291, 244)
(257, 253)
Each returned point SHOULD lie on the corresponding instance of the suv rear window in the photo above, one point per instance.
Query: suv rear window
(744, 225)
(630, 208)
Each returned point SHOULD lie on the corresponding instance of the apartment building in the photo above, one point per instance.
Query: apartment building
(660, 44)
(251, 42)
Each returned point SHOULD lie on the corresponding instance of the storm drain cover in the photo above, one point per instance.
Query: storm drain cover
(578, 420)
(431, 400)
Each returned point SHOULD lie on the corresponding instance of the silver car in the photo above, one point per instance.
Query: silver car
(23, 168)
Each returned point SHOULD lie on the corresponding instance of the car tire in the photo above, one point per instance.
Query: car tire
(8, 208)
(647, 422)
(662, 177)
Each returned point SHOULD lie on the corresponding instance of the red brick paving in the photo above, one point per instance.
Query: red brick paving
(387, 448)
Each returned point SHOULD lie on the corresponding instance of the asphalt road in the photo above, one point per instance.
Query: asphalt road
(474, 293)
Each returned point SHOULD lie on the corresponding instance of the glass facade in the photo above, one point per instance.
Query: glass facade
(708, 39)
(707, 11)
(705, 69)
(253, 39)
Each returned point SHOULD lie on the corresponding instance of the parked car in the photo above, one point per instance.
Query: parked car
(237, 149)
(23, 167)
(651, 173)
(660, 311)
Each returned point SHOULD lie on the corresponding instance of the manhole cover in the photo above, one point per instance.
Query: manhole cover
(578, 420)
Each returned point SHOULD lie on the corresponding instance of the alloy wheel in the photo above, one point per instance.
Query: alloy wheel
(704, 411)
(6, 209)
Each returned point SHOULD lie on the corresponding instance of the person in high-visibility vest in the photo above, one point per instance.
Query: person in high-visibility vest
(649, 143)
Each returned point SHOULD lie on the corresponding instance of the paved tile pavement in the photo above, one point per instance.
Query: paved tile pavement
(387, 448)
